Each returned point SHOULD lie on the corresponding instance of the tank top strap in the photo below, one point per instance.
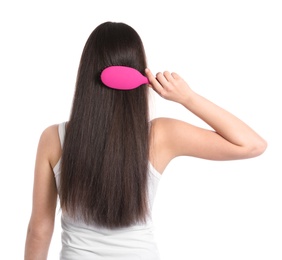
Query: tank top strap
(149, 126)
(62, 132)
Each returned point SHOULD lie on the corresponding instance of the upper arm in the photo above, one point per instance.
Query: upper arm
(178, 138)
(44, 187)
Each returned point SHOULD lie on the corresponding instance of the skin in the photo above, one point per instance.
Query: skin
(41, 225)
(231, 139)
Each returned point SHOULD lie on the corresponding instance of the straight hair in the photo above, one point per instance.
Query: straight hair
(104, 167)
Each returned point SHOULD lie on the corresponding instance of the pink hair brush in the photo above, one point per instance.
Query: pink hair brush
(122, 78)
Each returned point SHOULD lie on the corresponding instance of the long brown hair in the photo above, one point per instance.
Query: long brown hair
(105, 153)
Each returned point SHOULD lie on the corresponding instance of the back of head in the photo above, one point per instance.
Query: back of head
(105, 153)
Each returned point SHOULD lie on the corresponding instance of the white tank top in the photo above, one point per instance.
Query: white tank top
(90, 242)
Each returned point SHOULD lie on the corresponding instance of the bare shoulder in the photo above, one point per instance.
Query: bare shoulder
(171, 138)
(165, 123)
(49, 144)
(165, 127)
(163, 132)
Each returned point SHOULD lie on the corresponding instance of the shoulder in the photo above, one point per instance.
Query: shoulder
(49, 144)
(164, 125)
(49, 135)
(170, 138)
(164, 132)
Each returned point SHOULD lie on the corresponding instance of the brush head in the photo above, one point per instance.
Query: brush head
(122, 78)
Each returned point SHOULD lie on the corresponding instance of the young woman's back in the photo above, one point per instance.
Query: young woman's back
(84, 241)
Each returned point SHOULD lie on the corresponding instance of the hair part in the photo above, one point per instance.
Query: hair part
(105, 155)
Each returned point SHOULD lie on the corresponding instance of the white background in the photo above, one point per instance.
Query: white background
(228, 51)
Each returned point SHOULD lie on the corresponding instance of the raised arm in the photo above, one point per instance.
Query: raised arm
(231, 139)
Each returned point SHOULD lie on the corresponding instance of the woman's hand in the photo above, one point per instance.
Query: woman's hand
(170, 86)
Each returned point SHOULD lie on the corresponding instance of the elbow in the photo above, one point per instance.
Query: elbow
(42, 232)
(258, 148)
(37, 243)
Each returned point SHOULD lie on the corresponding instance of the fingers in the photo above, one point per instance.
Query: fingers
(163, 82)
(154, 82)
(164, 78)
(175, 75)
(168, 76)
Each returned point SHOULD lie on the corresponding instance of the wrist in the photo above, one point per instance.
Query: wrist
(188, 99)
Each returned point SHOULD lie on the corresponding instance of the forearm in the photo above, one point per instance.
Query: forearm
(224, 123)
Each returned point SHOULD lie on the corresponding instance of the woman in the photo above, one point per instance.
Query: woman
(108, 158)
